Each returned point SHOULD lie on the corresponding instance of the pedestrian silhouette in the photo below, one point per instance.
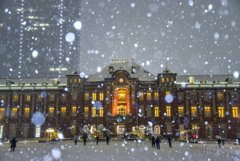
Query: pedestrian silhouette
(153, 141)
(170, 142)
(13, 144)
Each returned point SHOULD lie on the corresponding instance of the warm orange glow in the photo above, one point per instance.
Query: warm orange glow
(121, 97)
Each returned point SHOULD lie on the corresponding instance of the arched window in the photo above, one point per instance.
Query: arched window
(157, 130)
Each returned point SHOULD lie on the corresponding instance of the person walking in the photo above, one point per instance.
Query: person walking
(223, 141)
(219, 142)
(169, 142)
(153, 141)
(85, 138)
(158, 141)
(107, 139)
(13, 144)
(75, 139)
(97, 139)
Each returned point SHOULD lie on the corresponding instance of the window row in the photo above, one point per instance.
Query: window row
(75, 80)
(207, 96)
(94, 96)
(51, 112)
(207, 111)
(181, 113)
(166, 79)
(27, 97)
(149, 95)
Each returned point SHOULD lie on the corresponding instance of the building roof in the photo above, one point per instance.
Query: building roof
(27, 81)
(123, 64)
(208, 78)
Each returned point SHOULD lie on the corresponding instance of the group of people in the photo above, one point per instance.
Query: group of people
(85, 136)
(157, 141)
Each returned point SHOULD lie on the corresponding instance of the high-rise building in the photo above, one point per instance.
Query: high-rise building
(39, 38)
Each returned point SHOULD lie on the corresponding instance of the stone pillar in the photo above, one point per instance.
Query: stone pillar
(33, 104)
(201, 107)
(214, 106)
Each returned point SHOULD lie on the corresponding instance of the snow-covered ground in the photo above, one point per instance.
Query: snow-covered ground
(117, 150)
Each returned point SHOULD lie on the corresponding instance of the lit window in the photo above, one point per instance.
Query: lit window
(14, 112)
(168, 110)
(15, 98)
(70, 80)
(194, 127)
(40, 98)
(111, 70)
(86, 96)
(26, 112)
(167, 79)
(180, 111)
(220, 112)
(86, 112)
(101, 112)
(75, 80)
(194, 111)
(195, 130)
(207, 112)
(220, 96)
(191, 79)
(51, 112)
(122, 110)
(63, 69)
(28, 98)
(94, 96)
(167, 93)
(74, 111)
(101, 96)
(63, 112)
(51, 69)
(156, 111)
(93, 112)
(163, 80)
(156, 95)
(141, 96)
(79, 80)
(171, 79)
(38, 131)
(2, 113)
(134, 70)
(148, 95)
(235, 111)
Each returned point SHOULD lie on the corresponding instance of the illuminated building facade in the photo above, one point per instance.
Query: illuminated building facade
(120, 97)
(33, 37)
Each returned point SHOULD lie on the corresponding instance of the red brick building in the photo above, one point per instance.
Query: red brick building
(120, 97)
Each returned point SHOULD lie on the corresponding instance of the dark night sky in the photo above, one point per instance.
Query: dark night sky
(195, 37)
